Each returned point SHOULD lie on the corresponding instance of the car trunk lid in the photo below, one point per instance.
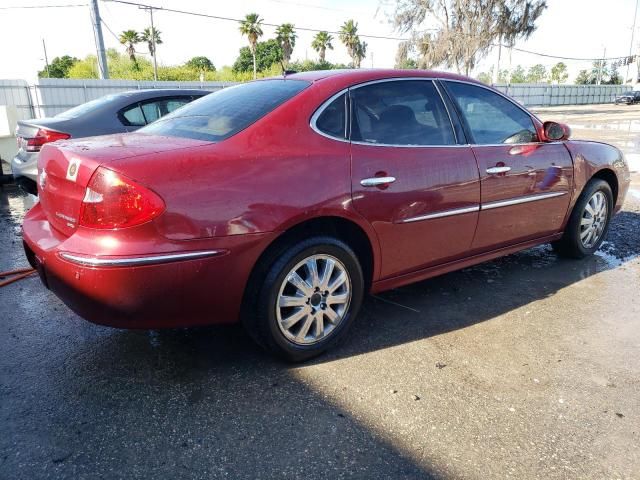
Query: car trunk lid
(65, 169)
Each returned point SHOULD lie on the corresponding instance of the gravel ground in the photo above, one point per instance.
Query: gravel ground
(524, 367)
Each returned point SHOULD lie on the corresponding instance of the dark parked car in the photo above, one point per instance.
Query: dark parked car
(281, 202)
(628, 98)
(117, 113)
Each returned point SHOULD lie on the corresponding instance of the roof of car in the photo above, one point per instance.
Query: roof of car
(365, 74)
(161, 92)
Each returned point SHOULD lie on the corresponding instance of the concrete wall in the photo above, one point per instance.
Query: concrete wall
(50, 96)
(545, 95)
(53, 95)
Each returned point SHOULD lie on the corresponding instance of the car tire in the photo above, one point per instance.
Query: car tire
(298, 314)
(589, 221)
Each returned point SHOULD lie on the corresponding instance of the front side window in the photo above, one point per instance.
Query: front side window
(219, 115)
(491, 118)
(402, 112)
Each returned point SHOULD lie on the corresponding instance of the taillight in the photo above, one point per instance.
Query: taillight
(44, 136)
(114, 201)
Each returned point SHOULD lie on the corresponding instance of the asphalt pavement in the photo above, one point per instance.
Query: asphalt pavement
(524, 367)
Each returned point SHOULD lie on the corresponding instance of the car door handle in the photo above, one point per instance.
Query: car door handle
(496, 170)
(376, 181)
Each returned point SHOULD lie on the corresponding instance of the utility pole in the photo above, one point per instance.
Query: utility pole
(46, 59)
(633, 34)
(601, 67)
(496, 72)
(97, 33)
(153, 40)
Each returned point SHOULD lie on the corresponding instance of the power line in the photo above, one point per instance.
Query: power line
(564, 58)
(16, 7)
(237, 20)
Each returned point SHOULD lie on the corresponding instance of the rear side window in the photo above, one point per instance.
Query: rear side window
(332, 120)
(402, 112)
(492, 118)
(88, 107)
(133, 116)
(159, 108)
(222, 114)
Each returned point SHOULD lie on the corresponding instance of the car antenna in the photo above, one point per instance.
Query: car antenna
(286, 72)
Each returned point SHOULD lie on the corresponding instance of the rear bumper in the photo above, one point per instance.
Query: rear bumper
(181, 284)
(27, 167)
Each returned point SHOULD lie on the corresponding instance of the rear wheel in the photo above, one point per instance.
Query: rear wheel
(309, 297)
(589, 221)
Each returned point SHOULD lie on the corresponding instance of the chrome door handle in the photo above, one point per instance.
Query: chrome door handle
(376, 181)
(495, 170)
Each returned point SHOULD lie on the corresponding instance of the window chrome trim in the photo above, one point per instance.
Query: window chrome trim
(320, 110)
(441, 214)
(326, 103)
(519, 200)
(369, 144)
(446, 107)
(399, 79)
(494, 90)
(137, 261)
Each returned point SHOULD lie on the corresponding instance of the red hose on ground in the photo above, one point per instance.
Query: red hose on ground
(15, 275)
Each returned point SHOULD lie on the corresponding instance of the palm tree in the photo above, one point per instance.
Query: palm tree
(349, 36)
(320, 43)
(286, 36)
(147, 36)
(251, 26)
(360, 53)
(129, 38)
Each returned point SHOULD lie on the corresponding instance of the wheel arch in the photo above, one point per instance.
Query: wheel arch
(344, 229)
(610, 177)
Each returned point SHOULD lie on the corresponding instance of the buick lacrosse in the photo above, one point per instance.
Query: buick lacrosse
(281, 202)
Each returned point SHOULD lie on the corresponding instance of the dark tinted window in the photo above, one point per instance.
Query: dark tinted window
(133, 116)
(404, 112)
(332, 119)
(155, 109)
(492, 118)
(88, 107)
(221, 114)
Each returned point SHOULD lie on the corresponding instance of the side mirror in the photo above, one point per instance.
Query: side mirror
(554, 131)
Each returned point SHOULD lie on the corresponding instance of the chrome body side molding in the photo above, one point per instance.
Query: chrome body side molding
(484, 206)
(519, 200)
(441, 214)
(137, 261)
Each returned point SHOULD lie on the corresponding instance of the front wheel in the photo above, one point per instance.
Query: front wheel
(589, 221)
(308, 299)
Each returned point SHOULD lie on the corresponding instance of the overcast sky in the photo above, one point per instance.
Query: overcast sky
(575, 28)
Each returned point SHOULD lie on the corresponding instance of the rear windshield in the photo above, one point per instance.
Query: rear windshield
(87, 107)
(224, 113)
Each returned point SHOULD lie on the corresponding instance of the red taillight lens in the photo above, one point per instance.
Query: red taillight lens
(114, 201)
(44, 136)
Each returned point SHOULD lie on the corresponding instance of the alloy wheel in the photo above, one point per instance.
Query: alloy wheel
(313, 299)
(594, 219)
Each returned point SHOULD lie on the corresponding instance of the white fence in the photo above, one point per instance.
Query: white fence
(50, 96)
(544, 95)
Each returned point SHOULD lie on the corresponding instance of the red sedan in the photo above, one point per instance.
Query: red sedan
(281, 202)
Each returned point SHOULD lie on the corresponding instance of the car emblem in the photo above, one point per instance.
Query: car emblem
(72, 169)
(43, 179)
